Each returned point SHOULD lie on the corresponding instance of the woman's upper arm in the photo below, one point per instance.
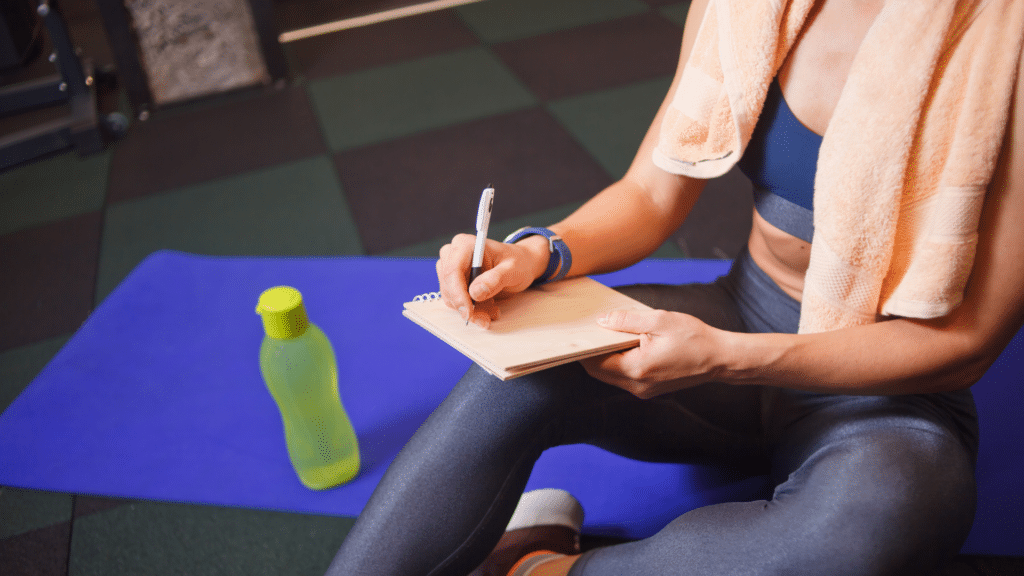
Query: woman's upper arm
(642, 172)
(993, 307)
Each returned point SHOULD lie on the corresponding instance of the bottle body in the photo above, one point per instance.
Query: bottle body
(302, 376)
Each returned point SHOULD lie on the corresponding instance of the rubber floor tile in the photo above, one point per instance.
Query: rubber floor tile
(595, 57)
(72, 9)
(23, 511)
(498, 230)
(504, 20)
(49, 274)
(51, 190)
(19, 366)
(611, 124)
(89, 36)
(676, 12)
(294, 209)
(422, 187)
(294, 14)
(379, 44)
(86, 505)
(214, 139)
(157, 539)
(383, 103)
(42, 552)
(659, 3)
(719, 224)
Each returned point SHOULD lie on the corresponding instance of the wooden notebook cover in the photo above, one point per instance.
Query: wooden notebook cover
(544, 326)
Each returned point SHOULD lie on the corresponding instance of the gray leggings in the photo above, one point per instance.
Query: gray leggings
(863, 485)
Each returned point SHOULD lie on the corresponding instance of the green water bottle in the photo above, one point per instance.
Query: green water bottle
(299, 368)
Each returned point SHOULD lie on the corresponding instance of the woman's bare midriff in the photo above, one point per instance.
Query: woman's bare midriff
(812, 79)
(782, 256)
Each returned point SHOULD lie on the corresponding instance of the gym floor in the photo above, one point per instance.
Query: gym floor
(378, 144)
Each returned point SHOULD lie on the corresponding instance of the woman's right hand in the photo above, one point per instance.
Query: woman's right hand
(508, 269)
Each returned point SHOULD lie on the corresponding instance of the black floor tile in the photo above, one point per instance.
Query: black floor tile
(73, 9)
(293, 14)
(719, 224)
(417, 188)
(594, 57)
(49, 279)
(42, 552)
(88, 35)
(380, 44)
(210, 140)
(86, 505)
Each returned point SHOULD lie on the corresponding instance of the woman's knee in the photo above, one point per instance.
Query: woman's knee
(542, 398)
(888, 502)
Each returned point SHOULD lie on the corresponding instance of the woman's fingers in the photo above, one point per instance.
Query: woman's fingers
(453, 267)
(504, 274)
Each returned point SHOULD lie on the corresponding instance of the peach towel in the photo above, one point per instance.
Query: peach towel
(905, 160)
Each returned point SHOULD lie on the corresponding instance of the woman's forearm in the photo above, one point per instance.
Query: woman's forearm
(900, 356)
(625, 223)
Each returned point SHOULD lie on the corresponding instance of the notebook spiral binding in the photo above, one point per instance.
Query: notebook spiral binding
(427, 297)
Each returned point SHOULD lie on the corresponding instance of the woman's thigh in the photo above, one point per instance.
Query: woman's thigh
(875, 496)
(713, 423)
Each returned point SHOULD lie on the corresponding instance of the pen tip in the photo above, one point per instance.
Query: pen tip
(489, 185)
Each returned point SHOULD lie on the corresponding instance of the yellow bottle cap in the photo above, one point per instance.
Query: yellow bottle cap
(284, 315)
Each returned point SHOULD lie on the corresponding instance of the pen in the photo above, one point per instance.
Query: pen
(483, 221)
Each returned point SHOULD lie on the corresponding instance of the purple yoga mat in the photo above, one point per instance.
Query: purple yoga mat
(158, 396)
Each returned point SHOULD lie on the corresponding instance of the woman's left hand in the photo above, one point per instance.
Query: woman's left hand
(676, 351)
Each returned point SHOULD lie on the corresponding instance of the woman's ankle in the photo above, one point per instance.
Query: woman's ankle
(544, 563)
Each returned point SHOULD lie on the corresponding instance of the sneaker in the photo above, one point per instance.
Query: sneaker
(548, 520)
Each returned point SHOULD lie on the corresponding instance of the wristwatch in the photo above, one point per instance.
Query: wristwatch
(561, 258)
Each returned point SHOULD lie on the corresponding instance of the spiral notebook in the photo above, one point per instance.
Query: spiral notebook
(544, 326)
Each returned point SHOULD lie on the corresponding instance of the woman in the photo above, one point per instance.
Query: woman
(867, 428)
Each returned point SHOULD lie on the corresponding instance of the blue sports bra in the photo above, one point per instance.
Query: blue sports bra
(780, 161)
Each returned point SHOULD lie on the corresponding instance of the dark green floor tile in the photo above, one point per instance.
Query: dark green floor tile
(611, 124)
(417, 37)
(51, 190)
(26, 510)
(498, 231)
(297, 14)
(154, 539)
(676, 12)
(414, 96)
(503, 20)
(294, 209)
(670, 250)
(19, 366)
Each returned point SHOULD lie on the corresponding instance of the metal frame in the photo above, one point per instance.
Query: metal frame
(73, 84)
(125, 46)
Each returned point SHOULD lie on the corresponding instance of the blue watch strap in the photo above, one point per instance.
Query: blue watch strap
(561, 258)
